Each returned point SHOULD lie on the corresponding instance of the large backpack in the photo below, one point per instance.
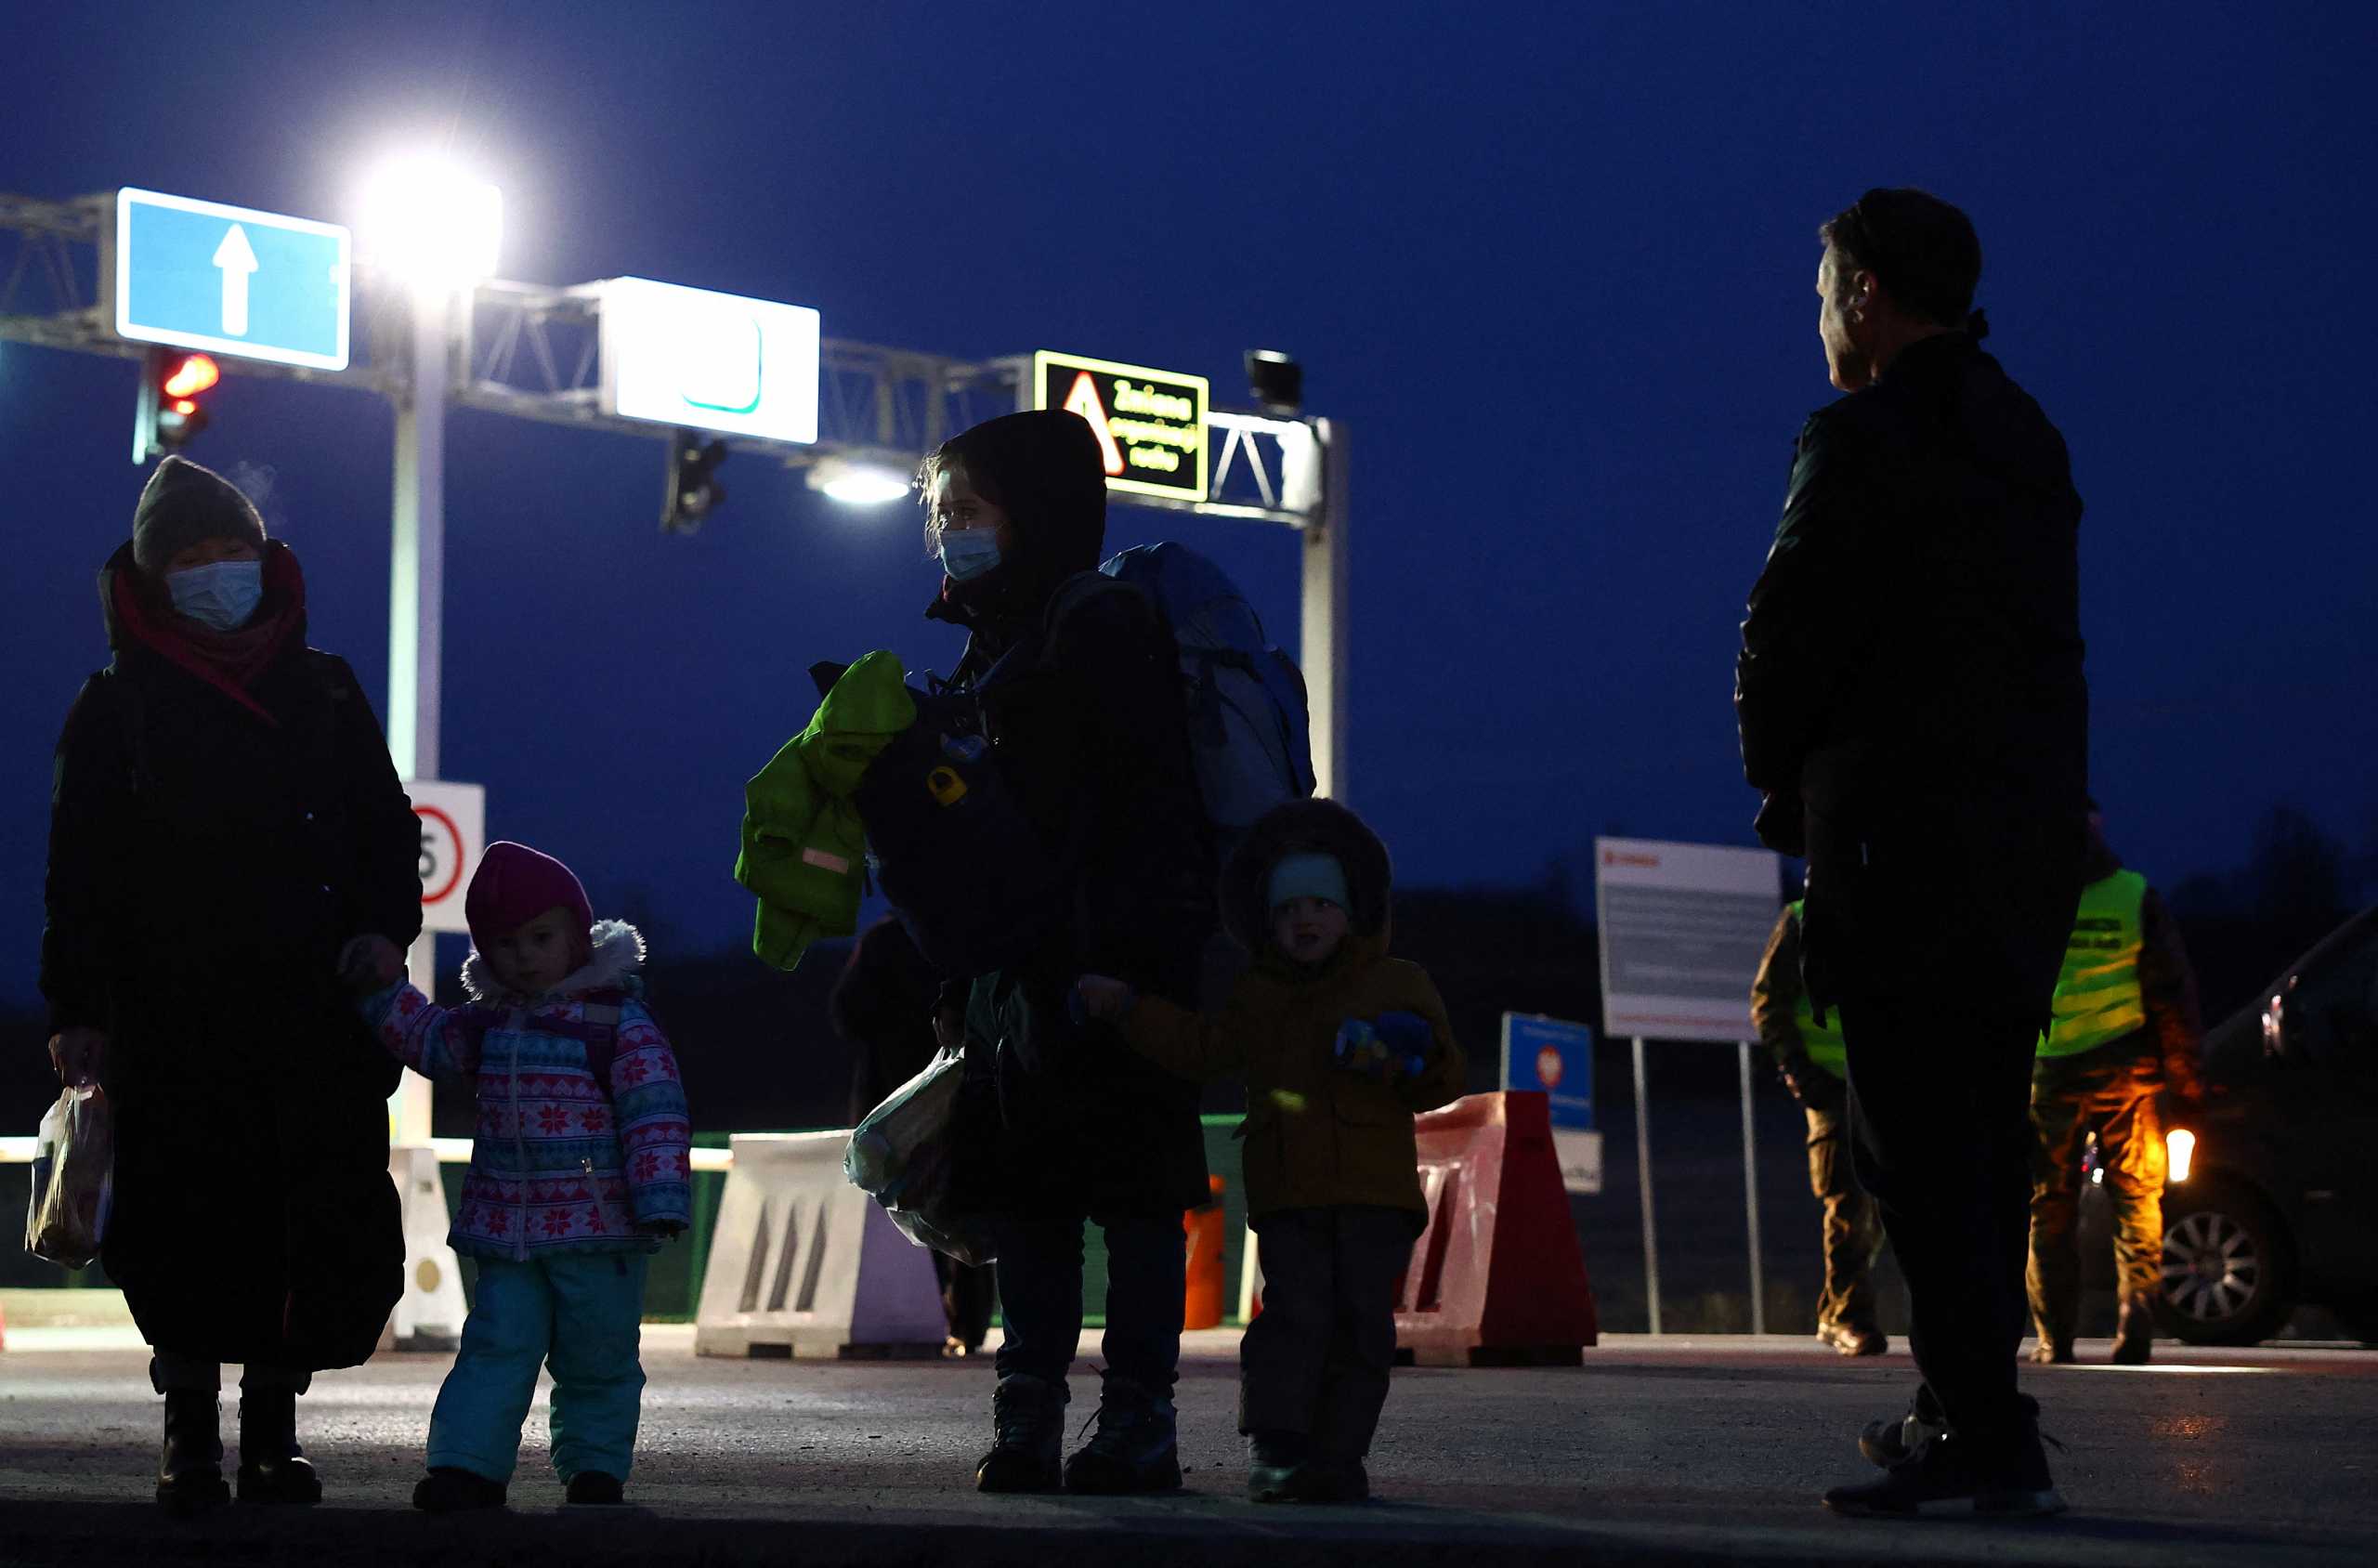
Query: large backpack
(952, 847)
(1250, 734)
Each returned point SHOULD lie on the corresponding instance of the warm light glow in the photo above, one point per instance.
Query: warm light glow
(2179, 1148)
(185, 406)
(192, 376)
(431, 221)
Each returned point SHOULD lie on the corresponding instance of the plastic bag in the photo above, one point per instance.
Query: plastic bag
(74, 1178)
(903, 1154)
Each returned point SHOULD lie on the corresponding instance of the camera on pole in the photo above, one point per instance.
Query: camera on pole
(693, 487)
(168, 414)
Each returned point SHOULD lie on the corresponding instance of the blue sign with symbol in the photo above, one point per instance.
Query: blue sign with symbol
(201, 275)
(1556, 1058)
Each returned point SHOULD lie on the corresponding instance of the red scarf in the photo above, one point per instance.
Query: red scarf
(229, 661)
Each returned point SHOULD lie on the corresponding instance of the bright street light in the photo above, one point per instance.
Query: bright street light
(430, 221)
(858, 483)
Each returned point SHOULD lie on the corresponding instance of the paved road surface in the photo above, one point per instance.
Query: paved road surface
(1668, 1452)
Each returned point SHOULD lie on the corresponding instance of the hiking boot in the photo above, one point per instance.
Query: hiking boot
(595, 1489)
(190, 1467)
(1947, 1474)
(1028, 1418)
(2134, 1333)
(2053, 1353)
(1852, 1339)
(1275, 1460)
(1133, 1449)
(273, 1470)
(449, 1490)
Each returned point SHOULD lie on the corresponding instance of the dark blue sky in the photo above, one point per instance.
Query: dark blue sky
(1552, 264)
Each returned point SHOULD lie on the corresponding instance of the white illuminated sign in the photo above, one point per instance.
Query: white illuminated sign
(709, 361)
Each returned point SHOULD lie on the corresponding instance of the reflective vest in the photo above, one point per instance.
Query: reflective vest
(2098, 998)
(1822, 1041)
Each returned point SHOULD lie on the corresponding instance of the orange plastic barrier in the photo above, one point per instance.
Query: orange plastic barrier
(1202, 1230)
(1497, 1278)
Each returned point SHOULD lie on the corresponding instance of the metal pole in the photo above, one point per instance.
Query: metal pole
(1643, 1180)
(1750, 1201)
(416, 617)
(1325, 646)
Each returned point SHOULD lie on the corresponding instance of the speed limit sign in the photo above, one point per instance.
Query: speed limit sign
(453, 831)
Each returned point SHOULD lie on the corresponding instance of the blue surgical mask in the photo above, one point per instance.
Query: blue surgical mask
(221, 595)
(967, 553)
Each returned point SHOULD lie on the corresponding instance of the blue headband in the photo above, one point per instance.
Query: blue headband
(1309, 876)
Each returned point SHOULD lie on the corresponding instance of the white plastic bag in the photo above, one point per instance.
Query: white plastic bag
(74, 1178)
(903, 1154)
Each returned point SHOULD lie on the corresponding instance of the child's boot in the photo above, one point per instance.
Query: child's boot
(272, 1467)
(1028, 1416)
(1275, 1460)
(190, 1470)
(1134, 1448)
(592, 1488)
(451, 1490)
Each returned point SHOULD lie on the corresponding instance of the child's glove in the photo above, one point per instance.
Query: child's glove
(1392, 1045)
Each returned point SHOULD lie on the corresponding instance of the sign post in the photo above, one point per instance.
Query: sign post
(1682, 930)
(1556, 1058)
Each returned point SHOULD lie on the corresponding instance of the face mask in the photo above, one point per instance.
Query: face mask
(967, 553)
(221, 595)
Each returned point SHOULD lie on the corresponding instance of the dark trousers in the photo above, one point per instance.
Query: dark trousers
(1853, 1228)
(2073, 1097)
(1315, 1362)
(1039, 1281)
(1941, 1136)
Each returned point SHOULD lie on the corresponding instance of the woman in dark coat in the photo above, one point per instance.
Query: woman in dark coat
(226, 832)
(1087, 718)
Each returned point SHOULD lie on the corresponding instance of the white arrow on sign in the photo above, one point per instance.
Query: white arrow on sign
(237, 259)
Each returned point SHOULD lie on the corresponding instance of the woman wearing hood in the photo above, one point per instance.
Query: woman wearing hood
(1085, 712)
(226, 833)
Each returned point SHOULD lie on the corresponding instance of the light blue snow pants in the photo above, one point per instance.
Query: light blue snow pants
(579, 1313)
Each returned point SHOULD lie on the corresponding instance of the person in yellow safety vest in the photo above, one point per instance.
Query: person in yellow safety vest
(2121, 1049)
(1812, 1059)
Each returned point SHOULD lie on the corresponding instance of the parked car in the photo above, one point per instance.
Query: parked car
(2280, 1206)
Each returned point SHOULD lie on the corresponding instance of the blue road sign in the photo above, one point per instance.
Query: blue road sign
(201, 275)
(1555, 1057)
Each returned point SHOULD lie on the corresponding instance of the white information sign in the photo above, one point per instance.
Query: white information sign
(709, 361)
(1682, 929)
(454, 833)
(1580, 1157)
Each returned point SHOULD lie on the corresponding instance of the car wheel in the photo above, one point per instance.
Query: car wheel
(2228, 1274)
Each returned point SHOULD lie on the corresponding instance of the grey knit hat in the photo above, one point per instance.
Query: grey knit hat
(183, 504)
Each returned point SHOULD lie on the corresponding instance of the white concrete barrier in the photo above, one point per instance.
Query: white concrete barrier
(429, 1314)
(802, 1263)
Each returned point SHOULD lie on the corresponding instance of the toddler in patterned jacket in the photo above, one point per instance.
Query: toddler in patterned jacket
(579, 1170)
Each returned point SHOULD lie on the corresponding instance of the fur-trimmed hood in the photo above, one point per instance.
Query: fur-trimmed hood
(1302, 827)
(616, 952)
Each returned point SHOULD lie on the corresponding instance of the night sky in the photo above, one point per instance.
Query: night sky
(1553, 266)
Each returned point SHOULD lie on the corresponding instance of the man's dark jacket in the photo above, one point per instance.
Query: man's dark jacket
(1911, 676)
(206, 862)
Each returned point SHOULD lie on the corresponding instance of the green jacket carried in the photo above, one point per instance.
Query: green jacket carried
(804, 848)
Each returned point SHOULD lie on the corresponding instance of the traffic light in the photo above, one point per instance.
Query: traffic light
(693, 490)
(169, 412)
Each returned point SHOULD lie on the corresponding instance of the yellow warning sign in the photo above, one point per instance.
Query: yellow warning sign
(1150, 424)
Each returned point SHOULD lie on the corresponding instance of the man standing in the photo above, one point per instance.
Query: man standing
(2126, 1032)
(1814, 1062)
(1914, 713)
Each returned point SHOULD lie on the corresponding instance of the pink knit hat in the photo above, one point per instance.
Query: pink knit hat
(513, 886)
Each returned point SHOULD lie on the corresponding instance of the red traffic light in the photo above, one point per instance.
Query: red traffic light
(190, 375)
